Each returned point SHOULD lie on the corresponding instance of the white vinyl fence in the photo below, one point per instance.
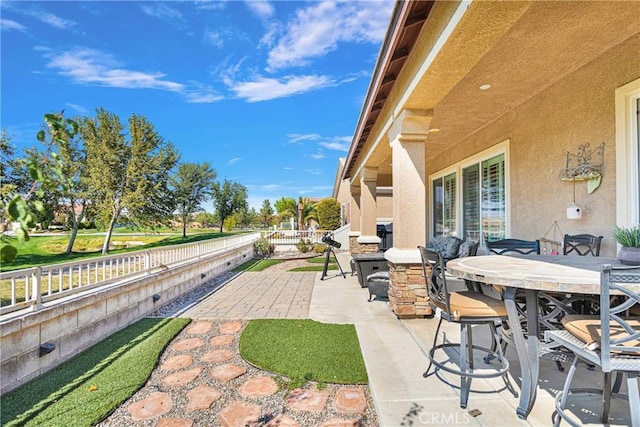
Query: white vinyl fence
(291, 237)
(33, 286)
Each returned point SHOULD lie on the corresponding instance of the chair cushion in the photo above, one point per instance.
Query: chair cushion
(587, 328)
(446, 245)
(379, 275)
(474, 304)
(465, 249)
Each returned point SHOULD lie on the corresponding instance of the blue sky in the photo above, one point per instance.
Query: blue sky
(268, 93)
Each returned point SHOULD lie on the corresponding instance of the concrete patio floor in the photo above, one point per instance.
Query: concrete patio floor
(395, 353)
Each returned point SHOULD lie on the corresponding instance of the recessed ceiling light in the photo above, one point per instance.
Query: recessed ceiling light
(485, 87)
(434, 130)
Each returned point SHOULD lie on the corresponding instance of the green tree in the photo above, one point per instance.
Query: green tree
(303, 210)
(266, 213)
(131, 174)
(206, 219)
(71, 199)
(286, 207)
(228, 198)
(20, 208)
(307, 211)
(191, 186)
(328, 214)
(245, 217)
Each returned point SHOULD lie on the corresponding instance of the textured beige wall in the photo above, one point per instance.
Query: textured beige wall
(385, 205)
(578, 109)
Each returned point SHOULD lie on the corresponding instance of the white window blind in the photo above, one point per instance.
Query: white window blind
(444, 205)
(493, 201)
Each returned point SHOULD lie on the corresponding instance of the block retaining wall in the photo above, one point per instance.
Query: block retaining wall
(75, 324)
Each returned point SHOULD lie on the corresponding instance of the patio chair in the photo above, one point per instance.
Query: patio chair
(610, 340)
(552, 308)
(507, 246)
(466, 308)
(581, 244)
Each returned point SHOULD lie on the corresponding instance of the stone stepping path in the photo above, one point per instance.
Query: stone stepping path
(201, 380)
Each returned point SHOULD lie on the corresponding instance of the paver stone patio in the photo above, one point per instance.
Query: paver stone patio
(153, 406)
(201, 397)
(239, 414)
(180, 379)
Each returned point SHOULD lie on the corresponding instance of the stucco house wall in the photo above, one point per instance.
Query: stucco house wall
(576, 110)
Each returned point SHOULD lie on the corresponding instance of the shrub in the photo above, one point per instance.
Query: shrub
(319, 248)
(628, 237)
(263, 248)
(329, 214)
(304, 245)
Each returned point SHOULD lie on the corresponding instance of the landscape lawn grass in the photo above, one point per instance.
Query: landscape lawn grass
(257, 264)
(314, 268)
(305, 349)
(49, 249)
(317, 264)
(320, 259)
(85, 389)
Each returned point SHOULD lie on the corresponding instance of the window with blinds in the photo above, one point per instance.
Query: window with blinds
(481, 193)
(492, 213)
(444, 206)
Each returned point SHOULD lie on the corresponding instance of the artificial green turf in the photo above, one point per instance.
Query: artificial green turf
(314, 268)
(317, 264)
(305, 349)
(320, 259)
(257, 264)
(85, 389)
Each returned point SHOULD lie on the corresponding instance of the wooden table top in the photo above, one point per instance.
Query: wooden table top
(553, 273)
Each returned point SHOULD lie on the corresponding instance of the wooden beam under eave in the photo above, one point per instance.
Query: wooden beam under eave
(389, 78)
(416, 18)
(399, 54)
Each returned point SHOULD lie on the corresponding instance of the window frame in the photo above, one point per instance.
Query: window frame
(627, 155)
(456, 168)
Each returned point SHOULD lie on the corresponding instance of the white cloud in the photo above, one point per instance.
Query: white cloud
(339, 143)
(162, 10)
(39, 14)
(194, 97)
(297, 137)
(79, 108)
(210, 4)
(262, 9)
(319, 28)
(313, 171)
(319, 155)
(53, 20)
(263, 89)
(214, 38)
(90, 66)
(270, 187)
(288, 168)
(8, 25)
(234, 160)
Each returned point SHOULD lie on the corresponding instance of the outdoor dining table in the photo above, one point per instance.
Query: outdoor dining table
(533, 274)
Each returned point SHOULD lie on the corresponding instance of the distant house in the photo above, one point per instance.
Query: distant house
(487, 120)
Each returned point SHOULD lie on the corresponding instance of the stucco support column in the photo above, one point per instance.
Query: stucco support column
(368, 240)
(407, 136)
(354, 233)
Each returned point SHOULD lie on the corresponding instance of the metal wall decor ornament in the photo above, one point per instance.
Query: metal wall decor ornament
(587, 164)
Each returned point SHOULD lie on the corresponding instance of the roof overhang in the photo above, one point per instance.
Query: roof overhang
(518, 48)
